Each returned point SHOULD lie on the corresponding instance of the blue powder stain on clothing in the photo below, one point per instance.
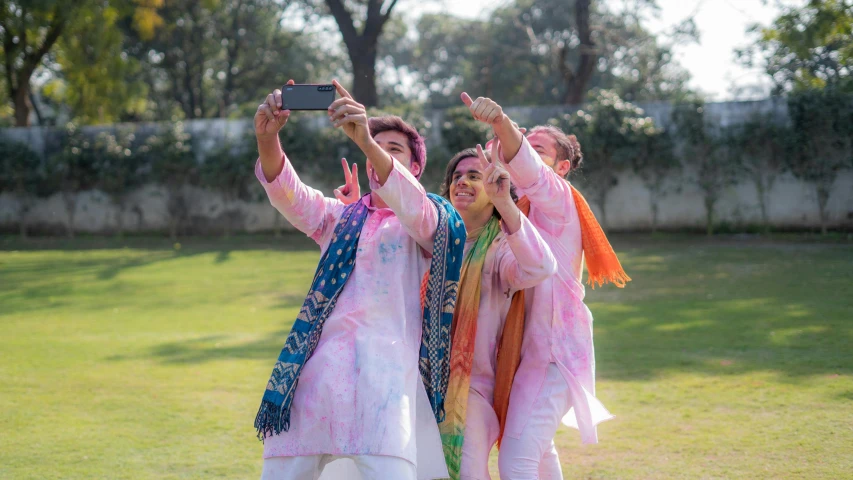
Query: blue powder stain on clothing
(387, 252)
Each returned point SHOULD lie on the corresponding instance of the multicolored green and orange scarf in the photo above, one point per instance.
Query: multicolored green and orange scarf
(602, 267)
(463, 335)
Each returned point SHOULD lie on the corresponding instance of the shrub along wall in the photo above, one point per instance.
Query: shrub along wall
(779, 163)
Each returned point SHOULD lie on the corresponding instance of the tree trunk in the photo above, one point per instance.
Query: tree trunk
(231, 53)
(364, 77)
(36, 110)
(189, 104)
(202, 110)
(763, 178)
(22, 105)
(177, 208)
(576, 79)
(822, 199)
(21, 60)
(362, 46)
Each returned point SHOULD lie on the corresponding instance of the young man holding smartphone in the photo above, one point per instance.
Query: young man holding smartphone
(364, 360)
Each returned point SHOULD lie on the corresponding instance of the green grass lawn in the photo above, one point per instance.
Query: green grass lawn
(723, 359)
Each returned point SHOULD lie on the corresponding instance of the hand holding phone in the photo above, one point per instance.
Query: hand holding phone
(270, 118)
(351, 117)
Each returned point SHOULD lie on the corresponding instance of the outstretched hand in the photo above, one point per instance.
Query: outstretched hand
(487, 111)
(350, 191)
(350, 116)
(269, 118)
(484, 109)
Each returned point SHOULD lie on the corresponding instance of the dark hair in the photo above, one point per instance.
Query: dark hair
(568, 147)
(444, 191)
(387, 123)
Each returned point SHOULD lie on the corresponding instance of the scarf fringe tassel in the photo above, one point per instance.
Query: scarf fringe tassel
(271, 420)
(618, 278)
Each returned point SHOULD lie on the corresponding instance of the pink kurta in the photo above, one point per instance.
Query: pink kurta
(357, 393)
(559, 325)
(513, 262)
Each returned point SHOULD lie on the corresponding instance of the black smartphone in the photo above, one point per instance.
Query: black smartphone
(307, 97)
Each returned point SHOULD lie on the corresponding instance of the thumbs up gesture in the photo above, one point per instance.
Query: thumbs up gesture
(484, 109)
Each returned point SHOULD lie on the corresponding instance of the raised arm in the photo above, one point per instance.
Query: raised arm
(304, 207)
(546, 190)
(399, 189)
(351, 117)
(489, 112)
(269, 119)
(524, 260)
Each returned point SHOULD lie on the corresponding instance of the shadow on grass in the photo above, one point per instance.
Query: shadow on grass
(717, 312)
(35, 282)
(722, 338)
(291, 300)
(33, 285)
(222, 257)
(723, 310)
(711, 341)
(716, 309)
(223, 347)
(290, 241)
(213, 348)
(112, 269)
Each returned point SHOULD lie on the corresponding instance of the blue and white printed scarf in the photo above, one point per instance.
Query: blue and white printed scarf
(334, 269)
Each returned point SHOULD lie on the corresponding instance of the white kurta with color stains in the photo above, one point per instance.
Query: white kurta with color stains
(357, 394)
(558, 326)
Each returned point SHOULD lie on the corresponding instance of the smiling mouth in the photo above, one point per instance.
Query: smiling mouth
(465, 194)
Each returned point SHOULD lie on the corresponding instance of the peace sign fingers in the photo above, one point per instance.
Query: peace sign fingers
(484, 161)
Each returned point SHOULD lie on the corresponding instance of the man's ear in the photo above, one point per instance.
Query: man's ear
(415, 169)
(563, 168)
